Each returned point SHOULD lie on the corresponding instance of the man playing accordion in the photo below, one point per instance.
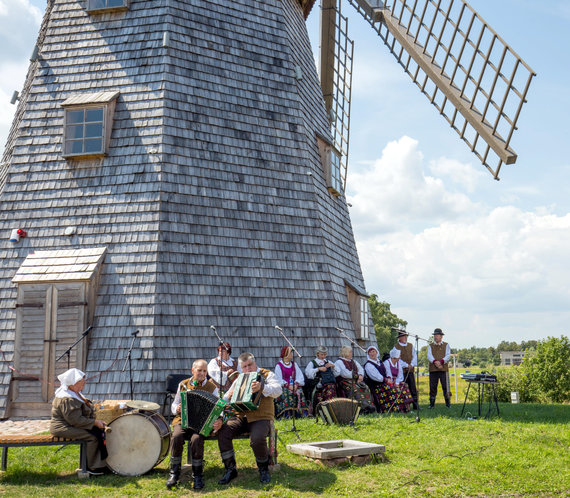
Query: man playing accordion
(256, 422)
(198, 382)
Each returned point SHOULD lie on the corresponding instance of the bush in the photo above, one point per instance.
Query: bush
(547, 370)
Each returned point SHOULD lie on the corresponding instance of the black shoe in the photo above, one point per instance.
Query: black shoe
(95, 472)
(197, 476)
(231, 471)
(174, 476)
(264, 475)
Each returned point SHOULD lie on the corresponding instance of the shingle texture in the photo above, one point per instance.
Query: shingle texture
(204, 202)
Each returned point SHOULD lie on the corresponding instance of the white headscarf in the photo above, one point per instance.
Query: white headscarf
(68, 378)
(394, 353)
(377, 360)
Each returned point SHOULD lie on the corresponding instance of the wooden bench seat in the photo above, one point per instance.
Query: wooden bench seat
(12, 441)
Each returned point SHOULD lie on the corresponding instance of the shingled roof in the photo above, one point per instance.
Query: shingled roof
(211, 199)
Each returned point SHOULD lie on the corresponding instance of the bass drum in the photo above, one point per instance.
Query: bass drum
(137, 442)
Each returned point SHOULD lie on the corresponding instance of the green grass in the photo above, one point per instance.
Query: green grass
(522, 452)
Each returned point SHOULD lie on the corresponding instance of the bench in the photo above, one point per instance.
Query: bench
(272, 444)
(13, 441)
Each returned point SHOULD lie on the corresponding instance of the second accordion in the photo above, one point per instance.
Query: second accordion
(199, 410)
(243, 399)
(340, 411)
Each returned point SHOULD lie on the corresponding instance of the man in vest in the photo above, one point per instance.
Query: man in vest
(256, 422)
(438, 354)
(408, 355)
(199, 382)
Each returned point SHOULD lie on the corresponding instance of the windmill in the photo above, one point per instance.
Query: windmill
(464, 68)
(174, 167)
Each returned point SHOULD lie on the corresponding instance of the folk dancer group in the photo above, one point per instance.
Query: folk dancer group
(382, 385)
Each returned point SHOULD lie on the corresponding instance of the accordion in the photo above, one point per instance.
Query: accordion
(243, 400)
(199, 410)
(339, 411)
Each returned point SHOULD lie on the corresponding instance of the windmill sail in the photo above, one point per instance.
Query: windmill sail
(465, 69)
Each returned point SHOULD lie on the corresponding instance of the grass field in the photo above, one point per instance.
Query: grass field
(523, 452)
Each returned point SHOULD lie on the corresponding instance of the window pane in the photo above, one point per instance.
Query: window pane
(94, 145)
(75, 116)
(115, 3)
(74, 147)
(94, 130)
(97, 4)
(92, 115)
(74, 131)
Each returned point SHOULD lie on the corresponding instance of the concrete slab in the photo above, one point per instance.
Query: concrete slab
(338, 448)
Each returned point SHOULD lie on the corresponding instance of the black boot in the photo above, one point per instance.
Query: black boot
(448, 402)
(264, 475)
(197, 476)
(231, 471)
(431, 402)
(174, 475)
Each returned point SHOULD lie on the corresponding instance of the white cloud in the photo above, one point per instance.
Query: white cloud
(19, 24)
(439, 258)
(395, 190)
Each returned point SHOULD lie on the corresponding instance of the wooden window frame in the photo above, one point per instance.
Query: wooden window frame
(360, 312)
(331, 168)
(125, 4)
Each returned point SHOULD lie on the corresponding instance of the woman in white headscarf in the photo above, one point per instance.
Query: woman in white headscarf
(72, 416)
(374, 375)
(401, 398)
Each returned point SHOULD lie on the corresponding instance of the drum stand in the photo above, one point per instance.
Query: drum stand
(68, 351)
(128, 360)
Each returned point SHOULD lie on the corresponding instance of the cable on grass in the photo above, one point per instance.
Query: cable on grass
(451, 455)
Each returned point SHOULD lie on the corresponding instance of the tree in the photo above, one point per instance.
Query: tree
(384, 320)
(547, 369)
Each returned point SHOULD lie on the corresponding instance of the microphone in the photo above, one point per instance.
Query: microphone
(87, 331)
(213, 328)
(340, 330)
(135, 333)
(278, 328)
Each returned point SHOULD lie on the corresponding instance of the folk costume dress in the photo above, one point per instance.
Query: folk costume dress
(400, 397)
(350, 370)
(374, 374)
(73, 416)
(292, 380)
(323, 385)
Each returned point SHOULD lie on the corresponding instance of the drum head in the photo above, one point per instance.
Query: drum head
(146, 406)
(135, 443)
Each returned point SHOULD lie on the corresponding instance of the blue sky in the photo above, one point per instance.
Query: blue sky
(440, 240)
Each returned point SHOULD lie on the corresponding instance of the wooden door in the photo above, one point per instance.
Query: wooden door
(49, 319)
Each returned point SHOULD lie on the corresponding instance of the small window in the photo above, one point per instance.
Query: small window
(359, 311)
(84, 131)
(331, 163)
(88, 124)
(107, 5)
(364, 318)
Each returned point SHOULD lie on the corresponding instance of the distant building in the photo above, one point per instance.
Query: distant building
(512, 357)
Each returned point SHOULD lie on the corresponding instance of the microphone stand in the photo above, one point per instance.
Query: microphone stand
(221, 388)
(294, 390)
(68, 350)
(128, 360)
(353, 408)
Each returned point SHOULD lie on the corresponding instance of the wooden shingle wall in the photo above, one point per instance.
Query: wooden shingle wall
(204, 202)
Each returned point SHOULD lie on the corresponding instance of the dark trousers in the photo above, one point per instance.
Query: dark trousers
(179, 435)
(434, 378)
(410, 379)
(258, 432)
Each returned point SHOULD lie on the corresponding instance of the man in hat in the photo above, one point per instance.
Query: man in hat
(410, 358)
(198, 382)
(438, 354)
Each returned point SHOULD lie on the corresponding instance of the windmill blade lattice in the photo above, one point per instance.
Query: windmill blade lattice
(465, 69)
